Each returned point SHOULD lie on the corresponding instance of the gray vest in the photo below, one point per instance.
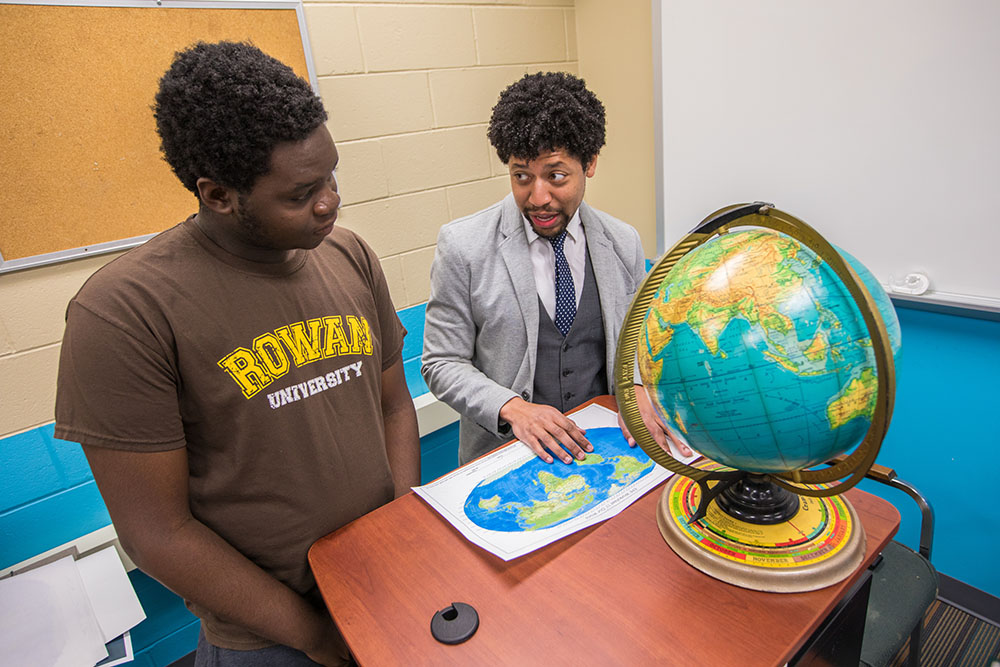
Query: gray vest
(571, 370)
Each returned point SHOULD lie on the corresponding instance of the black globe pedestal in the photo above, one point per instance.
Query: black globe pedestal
(755, 499)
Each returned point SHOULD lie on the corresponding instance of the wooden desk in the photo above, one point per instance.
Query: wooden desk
(610, 594)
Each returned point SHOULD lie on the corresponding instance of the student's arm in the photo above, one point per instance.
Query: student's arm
(147, 496)
(402, 440)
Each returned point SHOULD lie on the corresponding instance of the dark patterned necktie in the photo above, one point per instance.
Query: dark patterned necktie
(565, 291)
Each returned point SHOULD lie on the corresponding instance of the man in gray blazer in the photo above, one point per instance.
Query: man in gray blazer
(528, 296)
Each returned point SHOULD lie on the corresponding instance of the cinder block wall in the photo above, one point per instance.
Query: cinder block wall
(409, 90)
(409, 87)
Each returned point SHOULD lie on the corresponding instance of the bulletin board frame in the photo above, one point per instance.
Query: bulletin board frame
(135, 181)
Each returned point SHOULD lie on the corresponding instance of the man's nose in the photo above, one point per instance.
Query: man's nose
(329, 201)
(540, 194)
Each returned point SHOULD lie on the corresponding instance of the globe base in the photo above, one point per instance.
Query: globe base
(755, 499)
(821, 544)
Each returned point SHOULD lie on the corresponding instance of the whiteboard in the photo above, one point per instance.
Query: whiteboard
(876, 122)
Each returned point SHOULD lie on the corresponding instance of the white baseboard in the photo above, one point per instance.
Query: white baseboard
(432, 414)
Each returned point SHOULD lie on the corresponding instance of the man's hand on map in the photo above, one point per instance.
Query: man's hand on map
(661, 434)
(542, 428)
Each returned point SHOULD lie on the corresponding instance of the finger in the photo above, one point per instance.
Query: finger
(679, 445)
(578, 435)
(628, 436)
(575, 450)
(566, 435)
(683, 448)
(537, 448)
(625, 434)
(554, 446)
(664, 438)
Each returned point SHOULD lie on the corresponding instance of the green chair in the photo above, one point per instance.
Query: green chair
(904, 585)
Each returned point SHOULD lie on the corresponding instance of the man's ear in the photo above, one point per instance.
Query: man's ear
(216, 197)
(591, 167)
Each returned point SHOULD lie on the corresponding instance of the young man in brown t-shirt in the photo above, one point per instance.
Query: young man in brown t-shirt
(236, 382)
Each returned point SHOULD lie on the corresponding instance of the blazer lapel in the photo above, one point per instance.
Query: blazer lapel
(514, 250)
(610, 284)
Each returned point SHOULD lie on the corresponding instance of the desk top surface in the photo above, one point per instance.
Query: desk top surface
(614, 593)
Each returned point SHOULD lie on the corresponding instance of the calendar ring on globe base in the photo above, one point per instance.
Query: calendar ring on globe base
(775, 524)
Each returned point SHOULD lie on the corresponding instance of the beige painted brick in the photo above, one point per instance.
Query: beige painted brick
(404, 38)
(361, 172)
(398, 224)
(33, 302)
(507, 35)
(28, 387)
(434, 159)
(333, 36)
(471, 197)
(466, 96)
(570, 16)
(372, 105)
(569, 67)
(6, 344)
(563, 3)
(393, 270)
(417, 274)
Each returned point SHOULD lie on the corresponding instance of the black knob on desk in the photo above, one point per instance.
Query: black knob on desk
(455, 624)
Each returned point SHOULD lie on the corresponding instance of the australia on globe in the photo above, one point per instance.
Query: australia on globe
(536, 495)
(755, 351)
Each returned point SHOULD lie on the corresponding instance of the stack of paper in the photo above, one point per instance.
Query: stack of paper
(67, 613)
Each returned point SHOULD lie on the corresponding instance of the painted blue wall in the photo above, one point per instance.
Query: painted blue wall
(944, 440)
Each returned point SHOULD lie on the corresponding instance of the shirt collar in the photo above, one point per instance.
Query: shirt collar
(574, 229)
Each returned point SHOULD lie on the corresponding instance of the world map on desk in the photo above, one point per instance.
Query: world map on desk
(537, 495)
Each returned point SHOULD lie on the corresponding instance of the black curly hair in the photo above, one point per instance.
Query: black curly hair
(223, 107)
(547, 111)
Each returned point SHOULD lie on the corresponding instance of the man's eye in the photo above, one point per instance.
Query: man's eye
(521, 178)
(557, 177)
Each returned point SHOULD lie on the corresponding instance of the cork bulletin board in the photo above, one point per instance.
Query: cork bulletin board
(80, 166)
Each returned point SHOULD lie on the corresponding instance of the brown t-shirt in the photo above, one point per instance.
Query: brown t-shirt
(269, 374)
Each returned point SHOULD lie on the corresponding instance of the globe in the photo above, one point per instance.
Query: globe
(753, 349)
(773, 353)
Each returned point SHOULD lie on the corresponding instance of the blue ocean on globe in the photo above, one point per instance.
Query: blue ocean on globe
(755, 351)
(537, 495)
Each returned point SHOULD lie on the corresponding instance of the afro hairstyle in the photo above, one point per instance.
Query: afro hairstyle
(222, 108)
(547, 111)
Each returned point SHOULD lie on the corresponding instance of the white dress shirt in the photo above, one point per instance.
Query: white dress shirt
(543, 261)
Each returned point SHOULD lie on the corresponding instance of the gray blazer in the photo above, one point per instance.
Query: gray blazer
(481, 327)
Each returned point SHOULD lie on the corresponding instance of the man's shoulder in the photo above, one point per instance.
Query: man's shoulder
(137, 262)
(476, 222)
(344, 240)
(479, 232)
(609, 223)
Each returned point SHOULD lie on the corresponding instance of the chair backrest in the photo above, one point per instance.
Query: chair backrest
(904, 585)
